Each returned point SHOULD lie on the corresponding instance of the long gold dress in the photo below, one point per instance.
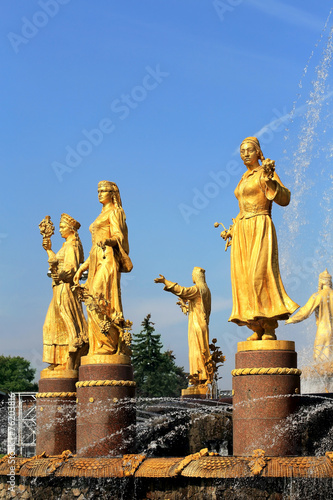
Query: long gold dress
(104, 276)
(65, 327)
(198, 319)
(257, 289)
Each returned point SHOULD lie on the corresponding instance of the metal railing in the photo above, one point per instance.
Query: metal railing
(22, 423)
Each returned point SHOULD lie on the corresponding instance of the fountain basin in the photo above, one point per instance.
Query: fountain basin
(200, 476)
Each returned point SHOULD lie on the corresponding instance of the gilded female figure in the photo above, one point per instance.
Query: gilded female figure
(321, 303)
(107, 259)
(259, 297)
(197, 300)
(65, 327)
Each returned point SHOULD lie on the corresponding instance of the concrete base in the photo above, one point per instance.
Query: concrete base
(56, 416)
(264, 383)
(125, 488)
(105, 412)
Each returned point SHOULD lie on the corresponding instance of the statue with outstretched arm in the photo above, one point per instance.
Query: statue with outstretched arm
(196, 302)
(321, 303)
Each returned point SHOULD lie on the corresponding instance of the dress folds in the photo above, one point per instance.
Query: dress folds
(65, 327)
(104, 276)
(257, 288)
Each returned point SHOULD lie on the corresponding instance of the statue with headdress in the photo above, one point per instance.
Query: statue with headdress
(196, 302)
(321, 303)
(65, 327)
(108, 331)
(258, 294)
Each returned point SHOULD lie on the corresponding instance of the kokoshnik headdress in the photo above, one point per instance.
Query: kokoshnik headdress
(70, 221)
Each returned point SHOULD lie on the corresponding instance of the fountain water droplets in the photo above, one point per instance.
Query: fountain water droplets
(305, 70)
(307, 152)
(167, 430)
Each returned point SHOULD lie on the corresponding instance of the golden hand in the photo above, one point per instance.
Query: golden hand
(46, 243)
(78, 275)
(269, 169)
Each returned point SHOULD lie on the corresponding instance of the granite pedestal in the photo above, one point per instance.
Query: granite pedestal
(56, 412)
(266, 383)
(105, 407)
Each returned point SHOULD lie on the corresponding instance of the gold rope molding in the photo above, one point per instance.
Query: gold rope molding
(104, 383)
(266, 371)
(55, 394)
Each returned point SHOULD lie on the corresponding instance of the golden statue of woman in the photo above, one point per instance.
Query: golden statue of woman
(108, 258)
(321, 303)
(197, 301)
(259, 297)
(65, 327)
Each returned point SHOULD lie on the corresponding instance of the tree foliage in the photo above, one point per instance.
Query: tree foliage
(16, 374)
(155, 372)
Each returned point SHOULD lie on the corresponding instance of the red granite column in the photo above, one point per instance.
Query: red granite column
(56, 412)
(265, 384)
(106, 409)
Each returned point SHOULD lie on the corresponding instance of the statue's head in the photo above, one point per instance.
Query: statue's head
(68, 225)
(108, 192)
(324, 279)
(108, 185)
(250, 148)
(198, 275)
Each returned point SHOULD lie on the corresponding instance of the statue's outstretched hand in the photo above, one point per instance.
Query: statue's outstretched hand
(77, 276)
(161, 279)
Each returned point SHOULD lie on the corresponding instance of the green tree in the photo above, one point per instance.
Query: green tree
(155, 372)
(175, 377)
(16, 374)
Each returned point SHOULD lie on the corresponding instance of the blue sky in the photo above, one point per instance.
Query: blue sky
(157, 95)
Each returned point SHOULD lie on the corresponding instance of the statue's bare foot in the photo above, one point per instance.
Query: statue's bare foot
(255, 336)
(269, 336)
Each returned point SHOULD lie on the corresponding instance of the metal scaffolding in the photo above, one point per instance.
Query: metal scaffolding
(22, 423)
